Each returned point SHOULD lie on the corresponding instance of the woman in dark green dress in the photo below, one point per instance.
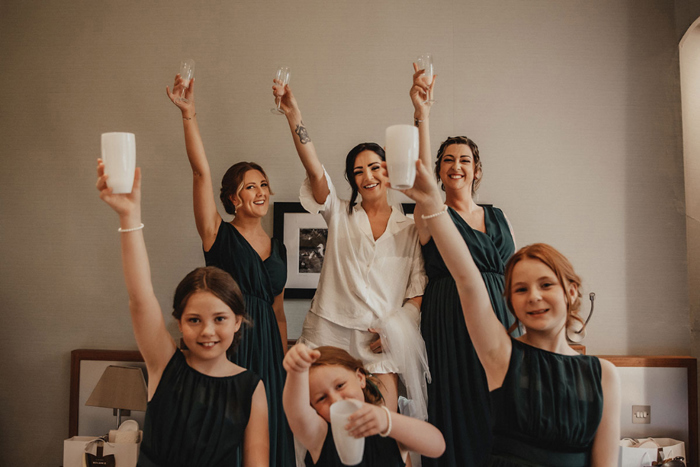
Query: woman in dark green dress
(458, 397)
(551, 406)
(257, 262)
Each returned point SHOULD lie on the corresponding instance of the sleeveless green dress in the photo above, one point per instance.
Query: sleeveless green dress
(260, 349)
(379, 452)
(458, 397)
(195, 420)
(548, 410)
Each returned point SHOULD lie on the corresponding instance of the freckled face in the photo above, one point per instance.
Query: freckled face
(370, 178)
(457, 167)
(331, 383)
(539, 299)
(254, 197)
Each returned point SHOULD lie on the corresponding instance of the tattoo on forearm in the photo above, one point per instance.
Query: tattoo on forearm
(301, 132)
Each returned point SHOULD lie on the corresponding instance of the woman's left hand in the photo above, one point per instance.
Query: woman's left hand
(368, 420)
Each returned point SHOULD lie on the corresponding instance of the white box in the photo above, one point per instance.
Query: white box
(125, 454)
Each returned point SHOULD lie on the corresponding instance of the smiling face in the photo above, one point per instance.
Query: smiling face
(208, 326)
(457, 167)
(331, 383)
(370, 178)
(539, 300)
(254, 195)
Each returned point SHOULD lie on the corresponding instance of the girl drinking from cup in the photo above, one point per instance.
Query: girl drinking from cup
(458, 382)
(372, 277)
(551, 406)
(203, 410)
(318, 378)
(257, 262)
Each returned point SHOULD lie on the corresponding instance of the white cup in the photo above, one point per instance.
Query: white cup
(119, 157)
(401, 155)
(350, 449)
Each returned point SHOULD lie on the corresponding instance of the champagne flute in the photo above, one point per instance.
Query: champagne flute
(186, 73)
(282, 78)
(425, 62)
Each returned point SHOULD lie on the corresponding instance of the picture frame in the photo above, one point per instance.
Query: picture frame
(301, 233)
(86, 368)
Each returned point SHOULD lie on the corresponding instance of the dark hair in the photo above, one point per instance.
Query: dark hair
(475, 151)
(560, 266)
(335, 356)
(218, 283)
(232, 183)
(350, 167)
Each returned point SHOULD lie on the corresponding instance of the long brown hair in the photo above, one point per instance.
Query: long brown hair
(561, 267)
(335, 356)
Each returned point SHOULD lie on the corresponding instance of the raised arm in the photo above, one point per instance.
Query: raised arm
(491, 341)
(154, 341)
(206, 216)
(302, 142)
(306, 424)
(421, 118)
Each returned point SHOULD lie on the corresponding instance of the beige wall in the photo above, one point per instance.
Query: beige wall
(575, 106)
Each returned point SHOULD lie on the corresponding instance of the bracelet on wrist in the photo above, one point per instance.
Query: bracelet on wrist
(388, 418)
(133, 229)
(417, 122)
(434, 215)
(190, 118)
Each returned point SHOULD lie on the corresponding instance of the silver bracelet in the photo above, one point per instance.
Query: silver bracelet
(388, 417)
(120, 230)
(430, 216)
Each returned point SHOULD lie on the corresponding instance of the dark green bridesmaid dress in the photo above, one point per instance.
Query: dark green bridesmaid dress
(195, 420)
(379, 452)
(548, 409)
(260, 349)
(458, 397)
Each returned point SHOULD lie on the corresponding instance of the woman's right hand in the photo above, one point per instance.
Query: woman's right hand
(299, 358)
(126, 204)
(419, 93)
(283, 95)
(185, 105)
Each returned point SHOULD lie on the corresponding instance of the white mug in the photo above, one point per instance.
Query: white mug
(401, 155)
(350, 449)
(119, 157)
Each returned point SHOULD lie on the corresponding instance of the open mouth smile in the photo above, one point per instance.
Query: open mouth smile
(538, 312)
(207, 345)
(369, 187)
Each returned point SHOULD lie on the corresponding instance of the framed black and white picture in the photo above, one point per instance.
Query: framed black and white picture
(305, 236)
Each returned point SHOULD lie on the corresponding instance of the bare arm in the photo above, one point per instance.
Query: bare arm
(278, 308)
(607, 438)
(256, 440)
(302, 142)
(421, 117)
(492, 344)
(411, 434)
(306, 424)
(206, 216)
(152, 337)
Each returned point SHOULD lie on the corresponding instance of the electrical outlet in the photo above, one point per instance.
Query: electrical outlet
(641, 414)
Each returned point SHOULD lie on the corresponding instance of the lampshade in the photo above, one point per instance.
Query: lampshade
(120, 387)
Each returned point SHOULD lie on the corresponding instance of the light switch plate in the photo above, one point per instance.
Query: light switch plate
(641, 414)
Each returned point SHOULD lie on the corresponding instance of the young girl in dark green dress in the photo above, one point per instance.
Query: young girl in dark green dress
(257, 262)
(318, 378)
(552, 406)
(203, 410)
